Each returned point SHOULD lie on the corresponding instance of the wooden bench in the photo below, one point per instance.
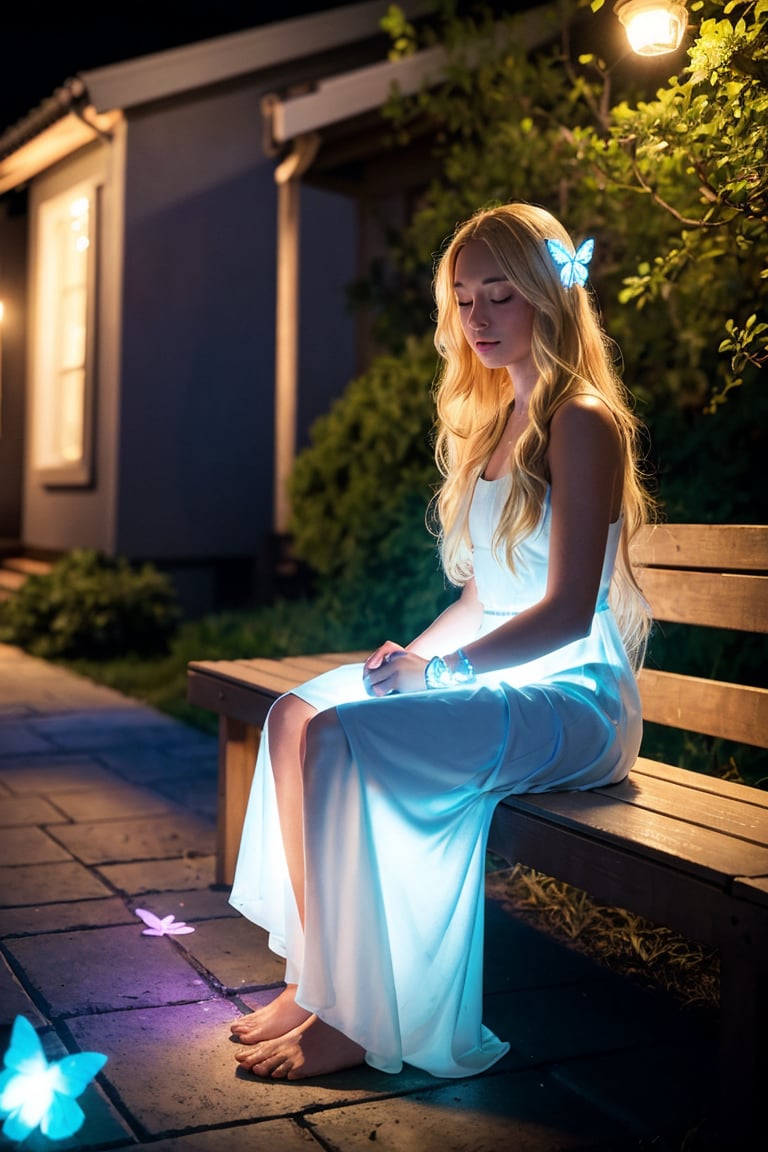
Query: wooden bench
(683, 849)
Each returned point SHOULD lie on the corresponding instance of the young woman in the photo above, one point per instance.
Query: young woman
(364, 843)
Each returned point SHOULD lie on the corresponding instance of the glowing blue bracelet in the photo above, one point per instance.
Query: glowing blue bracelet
(437, 674)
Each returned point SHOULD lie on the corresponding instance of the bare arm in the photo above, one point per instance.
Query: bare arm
(586, 469)
(457, 625)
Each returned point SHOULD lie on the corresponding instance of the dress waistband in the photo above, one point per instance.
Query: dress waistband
(603, 606)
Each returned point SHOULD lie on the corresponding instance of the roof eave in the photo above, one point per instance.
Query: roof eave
(66, 135)
(165, 74)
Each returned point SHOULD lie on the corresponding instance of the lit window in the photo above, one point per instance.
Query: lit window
(62, 342)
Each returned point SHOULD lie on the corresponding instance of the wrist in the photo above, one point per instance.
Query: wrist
(450, 671)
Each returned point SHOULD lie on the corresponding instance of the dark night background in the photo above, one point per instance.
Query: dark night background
(35, 58)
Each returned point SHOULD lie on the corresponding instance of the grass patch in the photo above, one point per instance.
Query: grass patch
(630, 945)
(280, 629)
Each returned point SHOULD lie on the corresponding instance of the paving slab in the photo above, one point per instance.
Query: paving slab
(153, 837)
(20, 738)
(44, 918)
(85, 731)
(174, 764)
(49, 884)
(104, 969)
(192, 906)
(43, 775)
(29, 846)
(160, 875)
(14, 1001)
(266, 1136)
(680, 1081)
(235, 953)
(109, 803)
(524, 1112)
(198, 796)
(173, 1069)
(21, 810)
(556, 1023)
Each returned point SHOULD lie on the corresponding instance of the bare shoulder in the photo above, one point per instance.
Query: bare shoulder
(586, 419)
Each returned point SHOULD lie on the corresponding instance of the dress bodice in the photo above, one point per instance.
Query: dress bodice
(500, 590)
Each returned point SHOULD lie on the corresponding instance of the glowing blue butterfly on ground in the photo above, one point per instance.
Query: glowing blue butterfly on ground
(36, 1094)
(168, 926)
(573, 269)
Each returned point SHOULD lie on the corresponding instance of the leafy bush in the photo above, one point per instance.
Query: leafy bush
(91, 606)
(360, 494)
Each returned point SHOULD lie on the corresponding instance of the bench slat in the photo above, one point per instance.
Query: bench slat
(714, 599)
(616, 875)
(731, 547)
(701, 852)
(699, 782)
(246, 689)
(731, 711)
(747, 822)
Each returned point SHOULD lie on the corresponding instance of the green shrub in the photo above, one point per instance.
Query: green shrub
(91, 606)
(360, 494)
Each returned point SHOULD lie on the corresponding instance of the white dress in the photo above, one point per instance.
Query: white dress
(396, 828)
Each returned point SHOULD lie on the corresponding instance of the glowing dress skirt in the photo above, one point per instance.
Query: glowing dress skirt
(396, 827)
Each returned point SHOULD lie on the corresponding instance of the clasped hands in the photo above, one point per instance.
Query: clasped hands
(391, 668)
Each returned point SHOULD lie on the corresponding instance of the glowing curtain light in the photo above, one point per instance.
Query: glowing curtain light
(653, 27)
(36, 1094)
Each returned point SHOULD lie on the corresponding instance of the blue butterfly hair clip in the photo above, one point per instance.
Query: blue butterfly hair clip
(573, 269)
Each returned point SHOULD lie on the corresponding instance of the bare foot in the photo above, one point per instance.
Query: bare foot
(311, 1049)
(281, 1015)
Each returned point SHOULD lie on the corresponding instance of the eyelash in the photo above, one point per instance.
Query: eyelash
(468, 303)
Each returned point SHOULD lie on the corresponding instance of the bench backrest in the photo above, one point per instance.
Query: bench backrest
(714, 575)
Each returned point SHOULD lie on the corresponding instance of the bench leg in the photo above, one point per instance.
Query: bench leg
(238, 747)
(743, 1044)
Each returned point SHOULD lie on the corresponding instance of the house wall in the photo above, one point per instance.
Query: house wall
(197, 369)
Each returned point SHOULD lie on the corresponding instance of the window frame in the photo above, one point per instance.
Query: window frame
(47, 386)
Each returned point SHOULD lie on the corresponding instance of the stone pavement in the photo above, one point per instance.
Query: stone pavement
(107, 806)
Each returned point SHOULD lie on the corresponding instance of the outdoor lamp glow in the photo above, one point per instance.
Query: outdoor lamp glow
(653, 26)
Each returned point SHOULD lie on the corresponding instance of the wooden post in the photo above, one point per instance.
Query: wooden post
(238, 748)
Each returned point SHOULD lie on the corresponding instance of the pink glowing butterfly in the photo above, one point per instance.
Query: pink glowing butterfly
(168, 926)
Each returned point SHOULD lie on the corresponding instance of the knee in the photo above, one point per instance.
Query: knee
(325, 738)
(287, 722)
(288, 714)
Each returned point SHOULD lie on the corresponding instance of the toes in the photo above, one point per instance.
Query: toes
(261, 1064)
(239, 1028)
(248, 1037)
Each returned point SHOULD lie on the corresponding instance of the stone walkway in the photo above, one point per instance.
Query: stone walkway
(107, 806)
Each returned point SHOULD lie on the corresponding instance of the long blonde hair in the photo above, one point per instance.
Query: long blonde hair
(572, 355)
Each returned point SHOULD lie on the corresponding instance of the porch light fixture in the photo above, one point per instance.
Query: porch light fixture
(653, 27)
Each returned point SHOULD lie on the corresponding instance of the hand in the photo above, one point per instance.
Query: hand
(391, 668)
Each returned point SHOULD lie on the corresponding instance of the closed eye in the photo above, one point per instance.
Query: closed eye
(468, 303)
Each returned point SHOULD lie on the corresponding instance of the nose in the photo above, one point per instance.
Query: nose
(477, 318)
